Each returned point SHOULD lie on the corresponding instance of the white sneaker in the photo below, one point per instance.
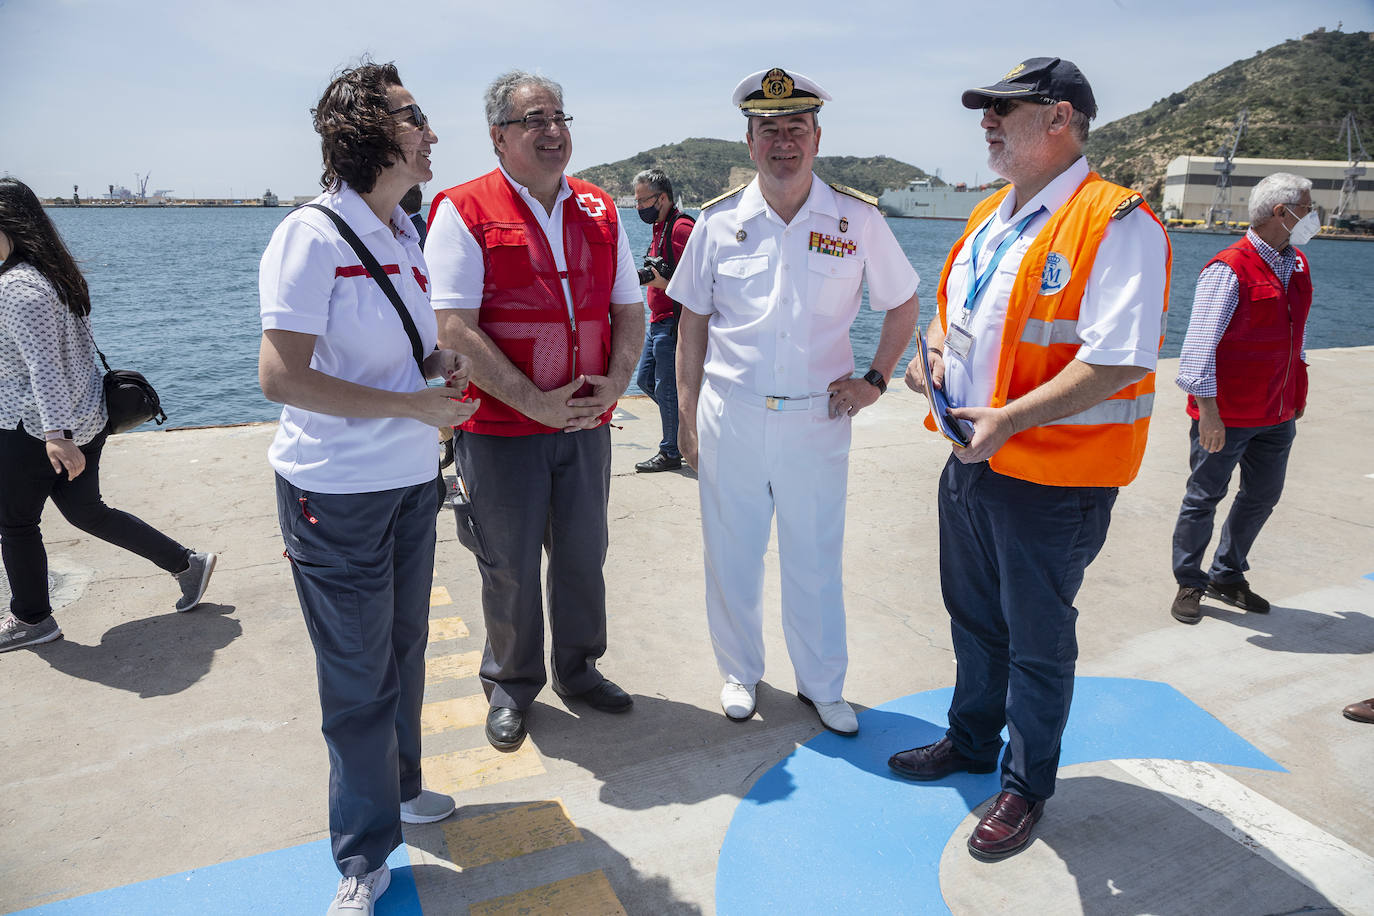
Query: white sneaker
(737, 699)
(427, 807)
(836, 716)
(357, 895)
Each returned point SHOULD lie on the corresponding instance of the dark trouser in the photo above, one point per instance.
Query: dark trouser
(1012, 557)
(1262, 453)
(657, 378)
(531, 491)
(27, 480)
(363, 564)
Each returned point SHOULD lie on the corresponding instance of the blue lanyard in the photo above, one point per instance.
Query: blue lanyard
(980, 280)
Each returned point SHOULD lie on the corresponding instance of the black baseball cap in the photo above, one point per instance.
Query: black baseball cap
(1044, 77)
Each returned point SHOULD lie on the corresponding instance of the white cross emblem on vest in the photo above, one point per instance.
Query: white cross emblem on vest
(591, 205)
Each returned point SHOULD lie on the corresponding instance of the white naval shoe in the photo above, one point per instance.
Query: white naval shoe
(836, 716)
(738, 700)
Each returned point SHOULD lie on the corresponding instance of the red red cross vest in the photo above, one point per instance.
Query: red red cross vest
(1260, 379)
(523, 309)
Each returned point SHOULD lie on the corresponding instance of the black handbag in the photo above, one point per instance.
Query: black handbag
(130, 399)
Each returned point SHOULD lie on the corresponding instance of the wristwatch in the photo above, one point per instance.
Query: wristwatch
(53, 435)
(875, 378)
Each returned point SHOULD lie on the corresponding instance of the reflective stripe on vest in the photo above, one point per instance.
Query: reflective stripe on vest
(1115, 410)
(1047, 333)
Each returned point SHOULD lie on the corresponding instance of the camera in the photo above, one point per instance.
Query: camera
(646, 273)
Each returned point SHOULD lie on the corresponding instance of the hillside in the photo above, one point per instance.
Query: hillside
(1296, 93)
(700, 169)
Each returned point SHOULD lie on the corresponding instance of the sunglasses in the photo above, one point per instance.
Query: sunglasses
(417, 117)
(1004, 107)
(540, 122)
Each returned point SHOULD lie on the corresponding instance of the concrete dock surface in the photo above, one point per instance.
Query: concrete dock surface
(172, 763)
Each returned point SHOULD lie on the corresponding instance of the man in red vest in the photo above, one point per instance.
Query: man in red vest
(532, 272)
(1245, 371)
(1050, 315)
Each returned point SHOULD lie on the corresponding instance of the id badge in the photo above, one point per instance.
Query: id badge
(959, 340)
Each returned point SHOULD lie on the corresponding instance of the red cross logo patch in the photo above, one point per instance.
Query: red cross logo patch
(590, 204)
(420, 279)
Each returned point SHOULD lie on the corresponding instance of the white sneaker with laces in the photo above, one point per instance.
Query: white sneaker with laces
(427, 807)
(836, 716)
(356, 896)
(738, 700)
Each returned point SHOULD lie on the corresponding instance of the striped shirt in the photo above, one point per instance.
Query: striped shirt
(1214, 303)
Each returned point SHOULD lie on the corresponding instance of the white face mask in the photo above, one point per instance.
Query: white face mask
(1307, 227)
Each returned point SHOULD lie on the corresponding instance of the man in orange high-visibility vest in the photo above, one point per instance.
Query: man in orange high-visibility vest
(1050, 316)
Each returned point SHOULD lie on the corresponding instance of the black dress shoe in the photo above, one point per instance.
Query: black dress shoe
(505, 728)
(1006, 829)
(659, 462)
(606, 697)
(935, 761)
(1238, 594)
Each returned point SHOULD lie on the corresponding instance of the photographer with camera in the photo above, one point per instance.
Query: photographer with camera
(657, 373)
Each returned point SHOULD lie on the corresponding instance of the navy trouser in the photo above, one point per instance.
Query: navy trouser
(1012, 557)
(27, 480)
(1262, 453)
(657, 378)
(544, 491)
(363, 564)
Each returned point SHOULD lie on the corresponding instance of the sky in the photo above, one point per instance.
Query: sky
(212, 99)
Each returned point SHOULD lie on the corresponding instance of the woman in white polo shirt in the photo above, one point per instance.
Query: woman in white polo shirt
(356, 460)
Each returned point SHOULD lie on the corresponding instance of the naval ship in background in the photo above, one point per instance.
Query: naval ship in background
(924, 199)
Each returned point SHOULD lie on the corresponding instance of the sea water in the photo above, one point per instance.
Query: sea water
(174, 293)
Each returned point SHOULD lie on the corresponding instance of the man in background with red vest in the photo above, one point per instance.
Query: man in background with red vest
(1245, 370)
(533, 273)
(1050, 314)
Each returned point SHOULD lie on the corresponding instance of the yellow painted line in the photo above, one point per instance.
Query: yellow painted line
(438, 595)
(502, 835)
(450, 667)
(446, 715)
(585, 895)
(483, 766)
(447, 628)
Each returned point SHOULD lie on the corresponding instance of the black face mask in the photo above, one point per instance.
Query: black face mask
(649, 214)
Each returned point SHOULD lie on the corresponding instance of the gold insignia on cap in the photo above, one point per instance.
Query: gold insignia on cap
(777, 84)
(1013, 72)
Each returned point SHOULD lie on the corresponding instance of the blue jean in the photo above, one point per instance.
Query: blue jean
(1262, 453)
(657, 377)
(1012, 558)
(363, 564)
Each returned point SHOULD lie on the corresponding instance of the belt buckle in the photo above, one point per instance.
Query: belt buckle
(773, 402)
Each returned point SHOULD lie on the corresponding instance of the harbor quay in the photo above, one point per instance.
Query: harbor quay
(165, 763)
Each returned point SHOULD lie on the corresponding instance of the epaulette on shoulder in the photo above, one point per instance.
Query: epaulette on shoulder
(726, 196)
(1124, 208)
(857, 195)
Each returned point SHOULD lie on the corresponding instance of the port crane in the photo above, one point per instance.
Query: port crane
(1220, 211)
(1347, 208)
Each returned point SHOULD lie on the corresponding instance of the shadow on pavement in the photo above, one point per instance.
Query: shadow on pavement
(152, 657)
(1291, 629)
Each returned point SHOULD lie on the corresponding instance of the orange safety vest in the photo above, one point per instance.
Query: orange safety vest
(1103, 445)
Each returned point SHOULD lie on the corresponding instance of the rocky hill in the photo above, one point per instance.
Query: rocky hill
(701, 169)
(1296, 94)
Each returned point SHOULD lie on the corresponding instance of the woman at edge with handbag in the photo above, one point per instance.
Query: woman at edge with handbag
(52, 424)
(348, 342)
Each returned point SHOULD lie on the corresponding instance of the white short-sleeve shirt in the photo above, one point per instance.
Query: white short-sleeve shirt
(459, 271)
(310, 281)
(1119, 319)
(782, 296)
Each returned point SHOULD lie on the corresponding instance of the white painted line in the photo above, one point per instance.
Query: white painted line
(1338, 871)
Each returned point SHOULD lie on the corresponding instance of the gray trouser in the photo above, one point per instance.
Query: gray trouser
(363, 564)
(527, 492)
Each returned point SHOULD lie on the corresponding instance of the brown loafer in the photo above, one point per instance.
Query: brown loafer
(1360, 712)
(1006, 829)
(935, 761)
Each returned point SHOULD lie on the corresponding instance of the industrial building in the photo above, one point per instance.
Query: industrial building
(1191, 190)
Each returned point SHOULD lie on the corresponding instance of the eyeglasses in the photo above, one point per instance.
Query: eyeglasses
(646, 201)
(537, 122)
(417, 117)
(1004, 107)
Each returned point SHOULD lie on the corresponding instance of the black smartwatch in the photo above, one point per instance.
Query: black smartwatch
(875, 378)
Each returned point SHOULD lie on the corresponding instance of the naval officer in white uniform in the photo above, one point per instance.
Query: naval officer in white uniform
(770, 282)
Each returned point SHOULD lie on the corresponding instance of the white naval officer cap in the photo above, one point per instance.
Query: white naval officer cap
(770, 93)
